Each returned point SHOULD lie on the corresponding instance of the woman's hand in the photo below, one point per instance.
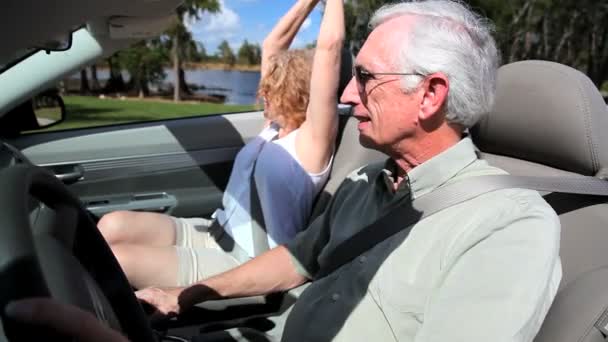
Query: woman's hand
(283, 33)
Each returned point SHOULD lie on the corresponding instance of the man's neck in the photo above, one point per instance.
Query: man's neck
(409, 154)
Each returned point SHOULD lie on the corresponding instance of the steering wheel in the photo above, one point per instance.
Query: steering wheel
(63, 256)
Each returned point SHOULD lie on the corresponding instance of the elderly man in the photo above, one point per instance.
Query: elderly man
(483, 270)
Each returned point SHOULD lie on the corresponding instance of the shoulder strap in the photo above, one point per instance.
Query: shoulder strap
(411, 212)
(258, 224)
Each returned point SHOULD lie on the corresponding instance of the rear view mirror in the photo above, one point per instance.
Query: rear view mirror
(60, 42)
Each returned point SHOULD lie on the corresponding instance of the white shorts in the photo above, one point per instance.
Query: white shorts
(198, 253)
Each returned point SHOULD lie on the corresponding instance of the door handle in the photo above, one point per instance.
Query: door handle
(68, 174)
(153, 202)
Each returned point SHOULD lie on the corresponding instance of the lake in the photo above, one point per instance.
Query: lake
(239, 87)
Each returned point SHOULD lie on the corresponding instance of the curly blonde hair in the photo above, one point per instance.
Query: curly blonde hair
(286, 86)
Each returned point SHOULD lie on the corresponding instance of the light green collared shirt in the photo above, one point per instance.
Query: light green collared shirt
(483, 270)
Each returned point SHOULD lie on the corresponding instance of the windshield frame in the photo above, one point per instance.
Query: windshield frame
(18, 60)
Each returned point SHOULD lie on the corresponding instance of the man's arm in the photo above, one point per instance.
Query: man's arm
(285, 30)
(500, 287)
(270, 272)
(279, 269)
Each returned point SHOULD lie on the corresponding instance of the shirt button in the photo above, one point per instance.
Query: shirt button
(335, 297)
(363, 259)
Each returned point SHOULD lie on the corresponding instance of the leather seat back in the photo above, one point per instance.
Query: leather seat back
(550, 120)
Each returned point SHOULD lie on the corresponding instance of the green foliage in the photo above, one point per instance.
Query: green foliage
(193, 8)
(201, 53)
(183, 44)
(357, 14)
(250, 54)
(571, 32)
(145, 63)
(225, 53)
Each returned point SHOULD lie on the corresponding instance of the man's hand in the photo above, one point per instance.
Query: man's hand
(62, 318)
(166, 301)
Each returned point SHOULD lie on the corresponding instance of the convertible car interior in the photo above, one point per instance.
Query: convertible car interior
(549, 120)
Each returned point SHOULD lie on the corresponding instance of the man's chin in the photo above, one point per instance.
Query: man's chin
(367, 142)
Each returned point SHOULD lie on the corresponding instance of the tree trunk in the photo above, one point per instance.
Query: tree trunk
(598, 61)
(514, 50)
(94, 80)
(176, 67)
(546, 34)
(84, 82)
(591, 60)
(565, 37)
(182, 81)
(115, 82)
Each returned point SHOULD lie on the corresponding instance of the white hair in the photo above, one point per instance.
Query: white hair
(449, 38)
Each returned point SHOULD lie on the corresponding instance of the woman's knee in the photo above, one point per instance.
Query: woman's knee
(113, 226)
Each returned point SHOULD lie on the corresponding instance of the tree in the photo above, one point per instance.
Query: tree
(180, 37)
(84, 82)
(115, 82)
(249, 54)
(257, 53)
(201, 52)
(144, 61)
(357, 14)
(225, 53)
(571, 32)
(94, 79)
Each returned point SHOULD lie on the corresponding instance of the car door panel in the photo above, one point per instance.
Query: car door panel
(180, 167)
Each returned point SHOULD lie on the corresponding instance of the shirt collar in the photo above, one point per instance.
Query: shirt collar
(386, 179)
(434, 172)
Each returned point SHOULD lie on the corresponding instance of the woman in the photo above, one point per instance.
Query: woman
(288, 161)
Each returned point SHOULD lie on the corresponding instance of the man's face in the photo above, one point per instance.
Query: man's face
(386, 115)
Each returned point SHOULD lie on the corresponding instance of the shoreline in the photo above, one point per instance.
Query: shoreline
(221, 66)
(206, 66)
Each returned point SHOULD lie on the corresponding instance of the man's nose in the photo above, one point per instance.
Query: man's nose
(350, 94)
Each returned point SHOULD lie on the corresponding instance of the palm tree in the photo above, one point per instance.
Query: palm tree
(181, 39)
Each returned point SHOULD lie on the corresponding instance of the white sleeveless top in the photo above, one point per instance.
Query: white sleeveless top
(286, 191)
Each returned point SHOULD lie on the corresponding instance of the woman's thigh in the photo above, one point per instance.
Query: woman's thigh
(147, 266)
(195, 264)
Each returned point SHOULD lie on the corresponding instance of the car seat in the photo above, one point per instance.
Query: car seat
(550, 120)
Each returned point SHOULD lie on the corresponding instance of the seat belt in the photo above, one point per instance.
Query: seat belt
(602, 323)
(444, 197)
(258, 224)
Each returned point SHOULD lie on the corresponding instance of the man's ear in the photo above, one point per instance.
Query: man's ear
(435, 87)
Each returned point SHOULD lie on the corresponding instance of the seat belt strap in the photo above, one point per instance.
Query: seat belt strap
(258, 224)
(602, 323)
(444, 197)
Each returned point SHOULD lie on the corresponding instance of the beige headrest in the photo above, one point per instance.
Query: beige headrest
(547, 113)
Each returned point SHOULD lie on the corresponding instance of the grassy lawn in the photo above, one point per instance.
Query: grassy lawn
(89, 111)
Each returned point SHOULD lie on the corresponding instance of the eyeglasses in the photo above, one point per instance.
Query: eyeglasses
(362, 76)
